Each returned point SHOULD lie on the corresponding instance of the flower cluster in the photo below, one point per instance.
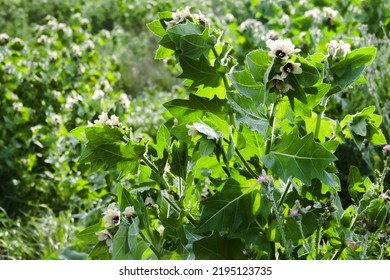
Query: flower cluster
(124, 100)
(103, 119)
(338, 49)
(316, 14)
(4, 38)
(180, 16)
(282, 49)
(98, 94)
(298, 210)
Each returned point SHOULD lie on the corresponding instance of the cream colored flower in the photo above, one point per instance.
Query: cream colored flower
(313, 13)
(161, 229)
(192, 131)
(98, 94)
(103, 117)
(329, 12)
(337, 49)
(129, 211)
(290, 67)
(109, 243)
(112, 215)
(149, 201)
(345, 48)
(113, 121)
(281, 49)
(124, 99)
(278, 82)
(103, 235)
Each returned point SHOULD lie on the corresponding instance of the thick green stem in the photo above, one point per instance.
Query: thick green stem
(271, 123)
(164, 183)
(165, 186)
(305, 244)
(285, 192)
(320, 114)
(280, 223)
(155, 251)
(245, 163)
(224, 78)
(338, 253)
(317, 242)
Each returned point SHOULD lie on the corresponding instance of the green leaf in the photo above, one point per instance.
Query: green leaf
(309, 76)
(350, 68)
(124, 198)
(100, 251)
(363, 126)
(156, 28)
(378, 210)
(347, 216)
(88, 235)
(206, 147)
(106, 149)
(199, 71)
(247, 86)
(195, 45)
(179, 30)
(355, 59)
(163, 140)
(233, 209)
(163, 52)
(257, 62)
(120, 250)
(216, 247)
(193, 109)
(132, 234)
(248, 113)
(302, 158)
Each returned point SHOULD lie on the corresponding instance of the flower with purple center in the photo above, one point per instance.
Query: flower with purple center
(290, 67)
(281, 49)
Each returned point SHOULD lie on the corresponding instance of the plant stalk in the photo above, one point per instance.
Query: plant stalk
(320, 114)
(285, 192)
(271, 123)
(165, 186)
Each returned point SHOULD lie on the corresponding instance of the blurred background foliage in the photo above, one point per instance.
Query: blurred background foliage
(63, 62)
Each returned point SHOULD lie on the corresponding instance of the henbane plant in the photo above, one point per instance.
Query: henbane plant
(246, 161)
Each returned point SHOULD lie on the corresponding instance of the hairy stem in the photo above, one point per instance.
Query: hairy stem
(317, 242)
(271, 123)
(285, 192)
(305, 244)
(224, 78)
(165, 186)
(320, 114)
(155, 251)
(280, 223)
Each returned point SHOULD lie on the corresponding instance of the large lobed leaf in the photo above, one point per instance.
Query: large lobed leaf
(302, 158)
(105, 148)
(231, 210)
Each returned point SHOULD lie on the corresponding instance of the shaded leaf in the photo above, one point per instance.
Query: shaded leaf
(230, 210)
